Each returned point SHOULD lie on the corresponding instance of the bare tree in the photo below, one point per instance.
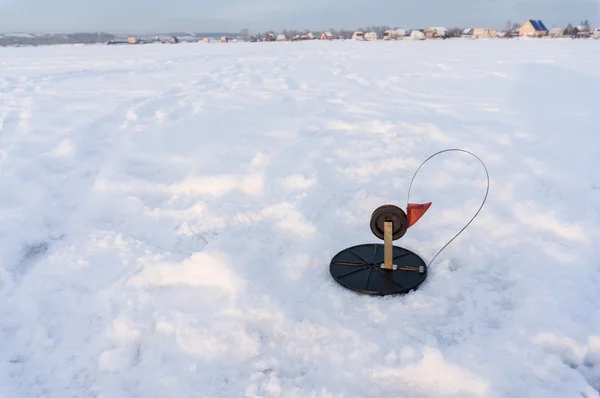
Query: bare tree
(455, 32)
(569, 30)
(586, 25)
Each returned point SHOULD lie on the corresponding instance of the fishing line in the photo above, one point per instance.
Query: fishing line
(480, 207)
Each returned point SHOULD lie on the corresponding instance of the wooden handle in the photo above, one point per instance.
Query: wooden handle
(388, 248)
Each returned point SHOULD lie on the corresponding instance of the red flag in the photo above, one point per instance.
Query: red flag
(415, 211)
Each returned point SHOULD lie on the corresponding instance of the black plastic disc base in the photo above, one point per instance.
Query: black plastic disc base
(358, 268)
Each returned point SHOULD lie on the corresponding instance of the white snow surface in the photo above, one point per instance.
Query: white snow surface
(168, 214)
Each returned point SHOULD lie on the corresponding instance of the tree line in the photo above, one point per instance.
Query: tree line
(52, 39)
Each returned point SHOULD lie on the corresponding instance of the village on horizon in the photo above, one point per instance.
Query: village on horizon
(530, 29)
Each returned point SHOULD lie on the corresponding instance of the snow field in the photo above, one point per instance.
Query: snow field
(169, 213)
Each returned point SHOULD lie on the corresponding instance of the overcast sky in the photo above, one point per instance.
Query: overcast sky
(155, 16)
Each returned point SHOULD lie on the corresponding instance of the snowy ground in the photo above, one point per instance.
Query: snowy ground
(168, 214)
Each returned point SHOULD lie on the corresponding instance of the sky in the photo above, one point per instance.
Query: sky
(155, 16)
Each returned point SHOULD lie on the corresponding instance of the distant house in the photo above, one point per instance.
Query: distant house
(326, 36)
(358, 36)
(224, 39)
(436, 33)
(370, 36)
(396, 34)
(467, 33)
(482, 33)
(417, 35)
(133, 40)
(556, 32)
(582, 32)
(280, 37)
(533, 28)
(596, 33)
(270, 36)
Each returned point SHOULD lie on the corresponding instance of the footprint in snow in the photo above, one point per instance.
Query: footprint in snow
(30, 255)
